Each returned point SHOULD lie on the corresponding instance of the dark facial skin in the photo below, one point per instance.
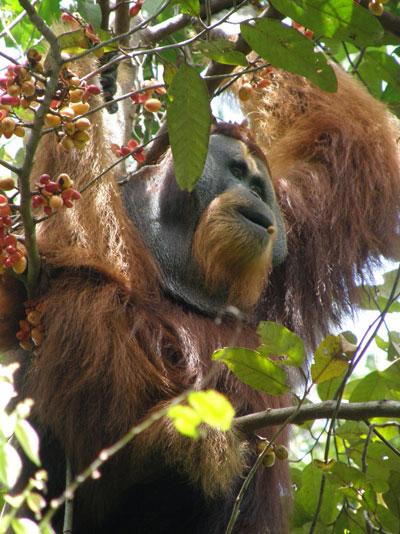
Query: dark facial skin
(167, 217)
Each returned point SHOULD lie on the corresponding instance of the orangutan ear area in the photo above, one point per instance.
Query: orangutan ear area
(143, 288)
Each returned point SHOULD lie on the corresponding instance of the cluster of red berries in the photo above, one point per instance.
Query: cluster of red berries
(259, 81)
(132, 147)
(12, 253)
(145, 96)
(54, 196)
(32, 328)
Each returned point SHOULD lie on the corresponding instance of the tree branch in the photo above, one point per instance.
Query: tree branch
(355, 411)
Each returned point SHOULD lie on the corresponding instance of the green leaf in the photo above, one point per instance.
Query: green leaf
(345, 475)
(91, 13)
(326, 390)
(279, 341)
(189, 7)
(371, 387)
(25, 526)
(352, 431)
(36, 502)
(189, 121)
(186, 420)
(288, 49)
(392, 496)
(150, 7)
(254, 369)
(213, 408)
(343, 20)
(222, 52)
(391, 376)
(329, 361)
(28, 439)
(10, 465)
(381, 292)
(383, 67)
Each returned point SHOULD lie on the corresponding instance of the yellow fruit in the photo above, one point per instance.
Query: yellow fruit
(19, 131)
(82, 124)
(153, 105)
(69, 128)
(245, 92)
(20, 266)
(37, 336)
(75, 95)
(67, 143)
(8, 125)
(64, 181)
(52, 121)
(376, 8)
(28, 88)
(80, 108)
(269, 459)
(6, 184)
(67, 112)
(56, 203)
(14, 90)
(34, 317)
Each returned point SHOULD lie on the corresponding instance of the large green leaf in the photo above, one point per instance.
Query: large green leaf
(343, 20)
(288, 49)
(254, 369)
(189, 120)
(91, 13)
(279, 341)
(329, 359)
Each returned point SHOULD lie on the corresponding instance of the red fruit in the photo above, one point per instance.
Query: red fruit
(68, 203)
(37, 200)
(67, 194)
(44, 178)
(3, 200)
(139, 157)
(76, 195)
(5, 211)
(23, 334)
(51, 187)
(134, 10)
(132, 144)
(25, 326)
(8, 100)
(92, 90)
(11, 249)
(11, 240)
(7, 221)
(125, 151)
(47, 210)
(8, 263)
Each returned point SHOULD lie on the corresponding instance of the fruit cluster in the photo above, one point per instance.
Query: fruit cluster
(376, 7)
(273, 452)
(259, 81)
(133, 147)
(69, 102)
(54, 196)
(145, 96)
(88, 39)
(32, 328)
(19, 89)
(13, 253)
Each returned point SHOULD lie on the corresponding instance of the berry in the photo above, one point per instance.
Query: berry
(376, 8)
(269, 459)
(245, 92)
(8, 125)
(56, 203)
(134, 10)
(19, 131)
(20, 266)
(80, 108)
(7, 184)
(65, 182)
(153, 105)
(82, 124)
(281, 452)
(52, 121)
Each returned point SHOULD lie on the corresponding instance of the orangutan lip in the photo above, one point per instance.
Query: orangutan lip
(256, 217)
